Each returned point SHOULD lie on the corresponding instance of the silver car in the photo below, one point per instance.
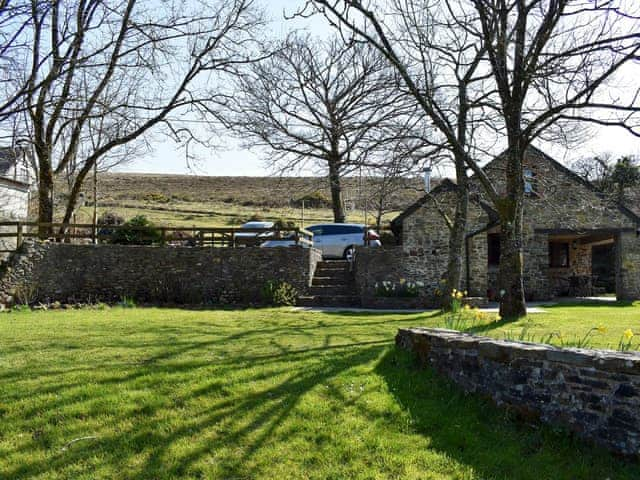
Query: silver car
(335, 240)
(338, 240)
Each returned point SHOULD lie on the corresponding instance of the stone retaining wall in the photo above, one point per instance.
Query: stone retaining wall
(375, 265)
(47, 272)
(593, 393)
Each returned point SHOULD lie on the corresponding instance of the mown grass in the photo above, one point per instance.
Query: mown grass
(161, 393)
(581, 324)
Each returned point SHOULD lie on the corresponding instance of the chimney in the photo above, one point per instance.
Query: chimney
(427, 179)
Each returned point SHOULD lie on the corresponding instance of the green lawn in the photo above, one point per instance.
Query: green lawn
(274, 394)
(569, 325)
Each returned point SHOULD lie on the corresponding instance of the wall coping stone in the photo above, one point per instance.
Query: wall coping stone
(602, 359)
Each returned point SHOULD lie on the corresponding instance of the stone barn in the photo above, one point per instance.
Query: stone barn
(577, 241)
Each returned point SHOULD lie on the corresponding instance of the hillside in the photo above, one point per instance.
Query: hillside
(186, 200)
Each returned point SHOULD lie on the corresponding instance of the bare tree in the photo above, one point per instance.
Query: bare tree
(612, 177)
(543, 66)
(120, 69)
(15, 21)
(318, 102)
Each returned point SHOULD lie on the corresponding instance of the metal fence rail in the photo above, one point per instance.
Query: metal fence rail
(151, 235)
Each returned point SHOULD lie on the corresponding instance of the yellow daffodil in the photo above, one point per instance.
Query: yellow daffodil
(498, 317)
(467, 307)
(601, 329)
(628, 334)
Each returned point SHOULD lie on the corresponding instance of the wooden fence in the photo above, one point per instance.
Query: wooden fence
(147, 235)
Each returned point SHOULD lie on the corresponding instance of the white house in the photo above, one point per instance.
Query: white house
(16, 178)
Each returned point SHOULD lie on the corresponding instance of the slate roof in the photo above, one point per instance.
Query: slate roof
(8, 159)
(448, 185)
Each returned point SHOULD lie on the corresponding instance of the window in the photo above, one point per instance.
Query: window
(341, 230)
(558, 254)
(493, 249)
(529, 181)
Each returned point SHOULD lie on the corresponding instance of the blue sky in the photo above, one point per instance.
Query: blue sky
(231, 160)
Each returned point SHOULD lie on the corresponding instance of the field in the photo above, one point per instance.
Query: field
(262, 394)
(187, 200)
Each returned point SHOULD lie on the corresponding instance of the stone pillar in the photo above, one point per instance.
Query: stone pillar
(628, 266)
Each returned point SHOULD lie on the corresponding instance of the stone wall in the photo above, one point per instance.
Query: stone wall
(393, 264)
(560, 202)
(48, 272)
(593, 393)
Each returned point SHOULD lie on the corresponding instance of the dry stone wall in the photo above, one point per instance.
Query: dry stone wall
(593, 393)
(47, 272)
(394, 264)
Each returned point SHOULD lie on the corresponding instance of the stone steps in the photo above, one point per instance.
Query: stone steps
(332, 286)
(325, 290)
(347, 301)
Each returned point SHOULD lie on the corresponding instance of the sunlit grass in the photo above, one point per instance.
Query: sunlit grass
(585, 324)
(160, 393)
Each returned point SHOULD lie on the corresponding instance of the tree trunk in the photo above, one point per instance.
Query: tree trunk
(457, 233)
(73, 196)
(512, 303)
(456, 240)
(511, 270)
(45, 198)
(336, 192)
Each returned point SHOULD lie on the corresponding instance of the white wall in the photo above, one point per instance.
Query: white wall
(14, 202)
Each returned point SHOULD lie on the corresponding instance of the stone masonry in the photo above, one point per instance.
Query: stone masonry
(593, 393)
(561, 208)
(48, 272)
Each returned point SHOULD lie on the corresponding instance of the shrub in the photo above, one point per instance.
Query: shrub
(25, 293)
(315, 199)
(156, 197)
(279, 293)
(283, 224)
(141, 232)
(110, 218)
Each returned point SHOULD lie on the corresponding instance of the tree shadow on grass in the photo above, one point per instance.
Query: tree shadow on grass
(236, 422)
(488, 439)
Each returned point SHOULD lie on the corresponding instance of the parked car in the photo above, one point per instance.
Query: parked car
(335, 240)
(253, 238)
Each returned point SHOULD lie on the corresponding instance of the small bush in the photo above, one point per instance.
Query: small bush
(156, 197)
(141, 232)
(315, 199)
(25, 293)
(279, 293)
(283, 224)
(110, 218)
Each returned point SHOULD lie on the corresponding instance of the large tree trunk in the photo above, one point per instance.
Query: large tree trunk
(73, 196)
(45, 197)
(456, 239)
(457, 233)
(511, 271)
(336, 192)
